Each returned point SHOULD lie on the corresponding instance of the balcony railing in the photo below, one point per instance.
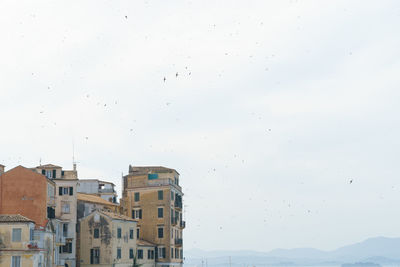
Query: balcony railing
(106, 190)
(160, 182)
(178, 204)
(178, 242)
(51, 201)
(182, 224)
(60, 240)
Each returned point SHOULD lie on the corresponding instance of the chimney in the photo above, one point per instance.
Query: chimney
(2, 169)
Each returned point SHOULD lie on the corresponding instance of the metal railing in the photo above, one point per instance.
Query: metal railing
(178, 241)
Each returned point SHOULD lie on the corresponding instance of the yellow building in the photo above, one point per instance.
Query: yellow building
(17, 245)
(153, 196)
(87, 203)
(109, 239)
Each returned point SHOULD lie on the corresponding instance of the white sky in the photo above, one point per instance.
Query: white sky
(276, 107)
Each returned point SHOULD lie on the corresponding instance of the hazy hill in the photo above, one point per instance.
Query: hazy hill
(385, 251)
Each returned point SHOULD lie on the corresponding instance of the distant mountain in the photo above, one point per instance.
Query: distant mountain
(382, 250)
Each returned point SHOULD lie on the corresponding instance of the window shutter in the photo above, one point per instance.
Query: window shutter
(71, 191)
(69, 247)
(133, 214)
(156, 252)
(54, 174)
(43, 172)
(91, 256)
(140, 214)
(60, 191)
(163, 252)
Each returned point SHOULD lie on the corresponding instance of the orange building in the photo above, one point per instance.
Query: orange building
(25, 192)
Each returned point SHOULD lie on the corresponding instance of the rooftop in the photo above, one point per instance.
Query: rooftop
(149, 169)
(116, 216)
(96, 180)
(48, 166)
(141, 242)
(13, 218)
(93, 198)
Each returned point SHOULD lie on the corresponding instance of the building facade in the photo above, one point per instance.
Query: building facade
(65, 208)
(108, 239)
(106, 190)
(23, 245)
(153, 196)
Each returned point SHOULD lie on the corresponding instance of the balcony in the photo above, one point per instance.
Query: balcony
(51, 201)
(161, 182)
(182, 224)
(178, 242)
(35, 244)
(60, 240)
(32, 245)
(178, 204)
(106, 190)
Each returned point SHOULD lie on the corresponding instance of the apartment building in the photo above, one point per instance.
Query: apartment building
(152, 195)
(106, 190)
(30, 194)
(66, 207)
(24, 245)
(87, 203)
(109, 239)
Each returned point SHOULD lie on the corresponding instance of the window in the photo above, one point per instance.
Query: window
(138, 233)
(131, 234)
(119, 233)
(96, 233)
(172, 253)
(161, 253)
(118, 253)
(50, 190)
(172, 195)
(160, 195)
(16, 261)
(65, 207)
(140, 253)
(137, 196)
(67, 248)
(30, 234)
(181, 254)
(16, 235)
(152, 176)
(150, 254)
(49, 174)
(65, 229)
(95, 256)
(160, 232)
(65, 190)
(176, 253)
(160, 212)
(131, 253)
(137, 214)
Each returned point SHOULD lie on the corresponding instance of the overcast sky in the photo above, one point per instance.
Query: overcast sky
(268, 109)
